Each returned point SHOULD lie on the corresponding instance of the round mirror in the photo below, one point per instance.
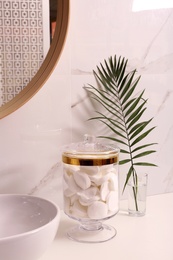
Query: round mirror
(27, 60)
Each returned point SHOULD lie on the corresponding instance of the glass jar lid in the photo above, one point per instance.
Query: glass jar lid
(90, 153)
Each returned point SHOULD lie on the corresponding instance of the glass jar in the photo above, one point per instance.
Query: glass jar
(90, 188)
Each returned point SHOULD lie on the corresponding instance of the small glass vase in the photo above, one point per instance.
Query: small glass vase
(137, 194)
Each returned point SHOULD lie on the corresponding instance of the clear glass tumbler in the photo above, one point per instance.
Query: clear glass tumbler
(137, 194)
(90, 189)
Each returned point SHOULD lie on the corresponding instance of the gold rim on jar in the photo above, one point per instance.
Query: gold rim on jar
(90, 161)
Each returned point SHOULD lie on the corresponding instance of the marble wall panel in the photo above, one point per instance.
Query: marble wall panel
(31, 138)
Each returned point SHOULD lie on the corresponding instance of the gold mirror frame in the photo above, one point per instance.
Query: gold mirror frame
(48, 65)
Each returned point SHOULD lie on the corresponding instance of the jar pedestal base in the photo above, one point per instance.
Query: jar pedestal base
(87, 234)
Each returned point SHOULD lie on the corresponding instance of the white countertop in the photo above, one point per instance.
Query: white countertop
(138, 238)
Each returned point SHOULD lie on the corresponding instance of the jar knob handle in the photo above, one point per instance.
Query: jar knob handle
(89, 138)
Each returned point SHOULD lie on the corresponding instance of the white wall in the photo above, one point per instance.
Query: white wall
(31, 137)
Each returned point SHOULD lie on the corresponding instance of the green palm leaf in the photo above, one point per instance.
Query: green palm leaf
(123, 111)
(134, 104)
(141, 147)
(143, 154)
(139, 127)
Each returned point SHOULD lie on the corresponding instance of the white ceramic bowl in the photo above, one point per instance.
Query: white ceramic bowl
(28, 226)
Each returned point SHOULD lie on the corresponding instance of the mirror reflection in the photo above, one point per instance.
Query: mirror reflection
(26, 32)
